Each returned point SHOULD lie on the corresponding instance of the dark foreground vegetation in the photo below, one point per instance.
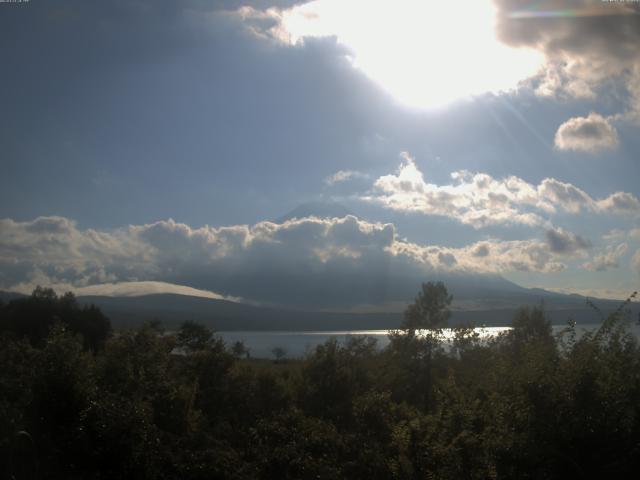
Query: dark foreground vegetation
(80, 402)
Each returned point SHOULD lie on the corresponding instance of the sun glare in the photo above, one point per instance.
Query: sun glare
(425, 53)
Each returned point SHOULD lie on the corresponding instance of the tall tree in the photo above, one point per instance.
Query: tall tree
(194, 336)
(420, 339)
(430, 310)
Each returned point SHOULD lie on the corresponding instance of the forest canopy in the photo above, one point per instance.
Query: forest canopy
(80, 401)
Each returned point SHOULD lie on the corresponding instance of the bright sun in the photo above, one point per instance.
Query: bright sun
(425, 53)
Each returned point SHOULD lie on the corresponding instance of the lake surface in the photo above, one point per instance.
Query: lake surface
(297, 344)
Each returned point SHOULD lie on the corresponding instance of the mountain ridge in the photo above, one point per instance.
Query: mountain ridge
(172, 309)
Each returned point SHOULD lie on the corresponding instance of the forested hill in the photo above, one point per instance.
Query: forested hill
(224, 315)
(172, 309)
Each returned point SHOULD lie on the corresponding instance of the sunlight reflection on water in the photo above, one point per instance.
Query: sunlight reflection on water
(297, 344)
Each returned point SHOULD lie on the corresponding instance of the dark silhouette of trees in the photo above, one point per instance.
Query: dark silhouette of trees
(193, 336)
(430, 310)
(240, 350)
(161, 405)
(34, 317)
(415, 346)
(279, 353)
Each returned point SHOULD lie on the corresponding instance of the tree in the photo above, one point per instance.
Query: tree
(430, 310)
(239, 349)
(279, 353)
(333, 375)
(414, 353)
(194, 336)
(45, 294)
(34, 317)
(531, 323)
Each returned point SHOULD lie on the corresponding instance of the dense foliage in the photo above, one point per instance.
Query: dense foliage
(145, 404)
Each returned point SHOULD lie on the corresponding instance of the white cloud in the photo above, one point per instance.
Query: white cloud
(608, 260)
(593, 134)
(481, 250)
(583, 51)
(54, 248)
(477, 200)
(135, 289)
(621, 203)
(429, 54)
(339, 176)
(614, 235)
(556, 194)
(305, 261)
(480, 200)
(266, 261)
(489, 256)
(561, 241)
(342, 176)
(618, 235)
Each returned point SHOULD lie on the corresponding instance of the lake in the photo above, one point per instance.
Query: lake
(297, 344)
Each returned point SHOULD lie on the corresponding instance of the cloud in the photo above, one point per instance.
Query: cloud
(344, 175)
(52, 250)
(480, 200)
(619, 203)
(593, 134)
(480, 250)
(607, 260)
(133, 289)
(295, 262)
(561, 241)
(574, 52)
(258, 4)
(307, 261)
(413, 60)
(477, 200)
(492, 256)
(618, 235)
(515, 255)
(570, 198)
(614, 235)
(607, 32)
(448, 259)
(584, 48)
(348, 183)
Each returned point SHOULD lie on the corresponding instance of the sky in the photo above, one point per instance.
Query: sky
(151, 143)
